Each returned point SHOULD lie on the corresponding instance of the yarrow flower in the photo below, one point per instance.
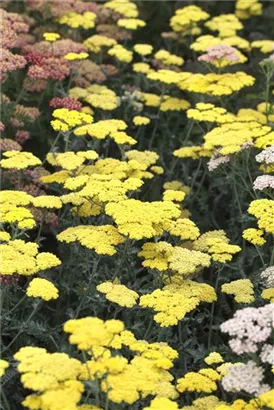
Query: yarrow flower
(242, 289)
(51, 37)
(42, 288)
(263, 182)
(119, 294)
(245, 377)
(249, 328)
(267, 277)
(222, 55)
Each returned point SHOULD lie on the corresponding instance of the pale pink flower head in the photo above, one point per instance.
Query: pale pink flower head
(215, 162)
(263, 182)
(266, 156)
(246, 378)
(220, 53)
(249, 327)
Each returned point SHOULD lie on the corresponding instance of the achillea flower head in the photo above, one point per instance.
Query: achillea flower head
(102, 239)
(22, 136)
(7, 144)
(10, 62)
(51, 37)
(216, 161)
(267, 277)
(19, 160)
(263, 182)
(220, 55)
(242, 289)
(249, 328)
(119, 294)
(42, 288)
(90, 332)
(254, 236)
(213, 358)
(3, 366)
(266, 156)
(247, 378)
(66, 102)
(22, 258)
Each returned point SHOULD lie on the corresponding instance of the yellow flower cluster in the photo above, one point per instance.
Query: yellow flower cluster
(242, 289)
(248, 8)
(91, 332)
(52, 376)
(67, 119)
(140, 120)
(216, 244)
(97, 42)
(126, 8)
(202, 381)
(13, 209)
(263, 210)
(265, 46)
(71, 160)
(203, 43)
(227, 25)
(76, 56)
(119, 294)
(98, 96)
(101, 129)
(174, 104)
(254, 236)
(174, 301)
(51, 37)
(22, 258)
(213, 358)
(211, 113)
(168, 59)
(42, 288)
(3, 366)
(102, 239)
(186, 19)
(131, 24)
(268, 294)
(139, 220)
(162, 403)
(76, 20)
(214, 84)
(121, 53)
(19, 160)
(143, 49)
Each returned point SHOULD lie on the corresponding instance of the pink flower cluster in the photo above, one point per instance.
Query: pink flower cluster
(266, 156)
(249, 327)
(215, 162)
(10, 62)
(21, 136)
(57, 49)
(263, 182)
(247, 378)
(55, 68)
(6, 144)
(10, 25)
(58, 8)
(66, 102)
(219, 52)
(267, 277)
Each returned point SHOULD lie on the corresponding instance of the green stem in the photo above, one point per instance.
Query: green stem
(3, 394)
(212, 310)
(122, 260)
(21, 331)
(95, 265)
